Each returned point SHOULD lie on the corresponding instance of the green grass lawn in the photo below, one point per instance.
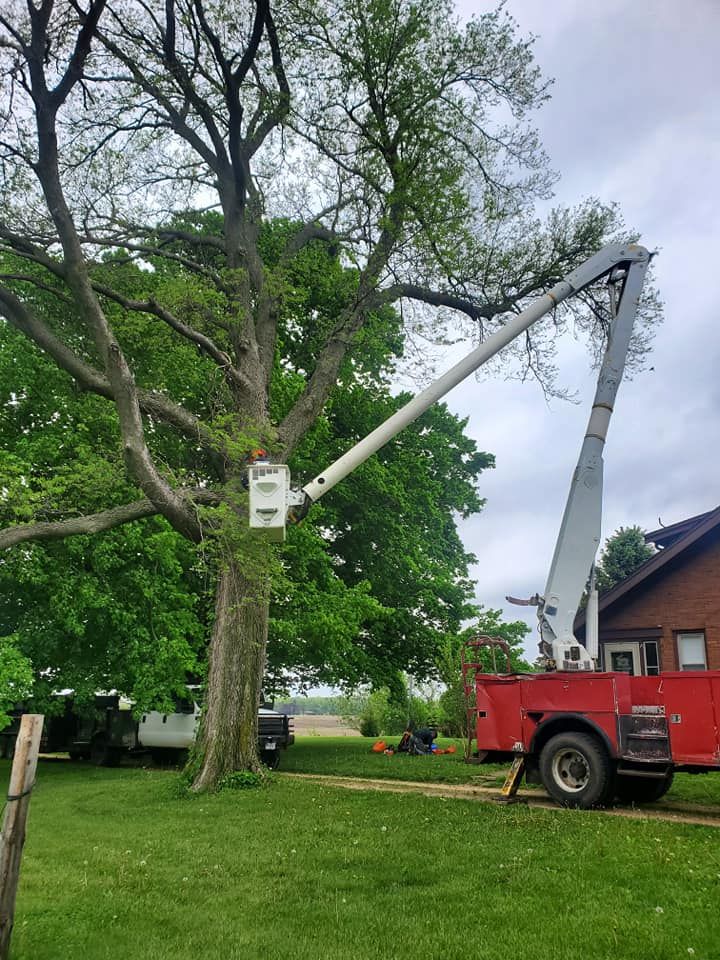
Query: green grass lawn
(117, 865)
(352, 757)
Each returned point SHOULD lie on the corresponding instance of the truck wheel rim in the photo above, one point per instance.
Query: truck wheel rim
(570, 770)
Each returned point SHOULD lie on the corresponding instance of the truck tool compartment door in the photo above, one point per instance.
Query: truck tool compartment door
(498, 720)
(170, 730)
(690, 717)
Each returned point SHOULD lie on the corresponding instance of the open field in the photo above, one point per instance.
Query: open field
(119, 865)
(322, 725)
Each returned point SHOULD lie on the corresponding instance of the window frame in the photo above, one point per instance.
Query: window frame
(680, 635)
(651, 670)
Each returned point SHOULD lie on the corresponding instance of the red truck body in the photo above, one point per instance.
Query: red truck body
(670, 719)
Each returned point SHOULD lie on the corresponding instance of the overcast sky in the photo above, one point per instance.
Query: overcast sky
(634, 118)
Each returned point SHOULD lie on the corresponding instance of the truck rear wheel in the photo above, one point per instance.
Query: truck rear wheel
(271, 758)
(169, 756)
(576, 770)
(102, 754)
(642, 789)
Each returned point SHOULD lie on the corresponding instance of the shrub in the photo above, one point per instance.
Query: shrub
(369, 726)
(243, 780)
(388, 713)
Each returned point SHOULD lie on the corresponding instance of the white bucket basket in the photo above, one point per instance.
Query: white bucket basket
(268, 485)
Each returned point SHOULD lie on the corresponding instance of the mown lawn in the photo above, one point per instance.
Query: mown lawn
(353, 757)
(117, 865)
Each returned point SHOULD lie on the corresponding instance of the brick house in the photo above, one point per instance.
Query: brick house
(666, 615)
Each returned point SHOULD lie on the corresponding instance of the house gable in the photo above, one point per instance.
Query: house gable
(675, 591)
(683, 596)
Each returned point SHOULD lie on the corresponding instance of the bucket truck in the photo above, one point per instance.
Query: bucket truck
(586, 736)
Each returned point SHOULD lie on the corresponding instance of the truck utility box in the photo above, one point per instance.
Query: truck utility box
(681, 709)
(635, 730)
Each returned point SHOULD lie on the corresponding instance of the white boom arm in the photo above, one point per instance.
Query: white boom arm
(579, 535)
(271, 498)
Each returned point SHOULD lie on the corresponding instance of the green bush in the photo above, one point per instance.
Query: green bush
(243, 780)
(369, 726)
(389, 713)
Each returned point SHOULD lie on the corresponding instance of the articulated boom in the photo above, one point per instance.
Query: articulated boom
(272, 500)
(579, 536)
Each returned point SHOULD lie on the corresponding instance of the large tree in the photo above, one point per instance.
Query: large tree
(128, 608)
(622, 554)
(382, 125)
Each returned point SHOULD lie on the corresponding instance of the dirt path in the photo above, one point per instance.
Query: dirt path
(679, 813)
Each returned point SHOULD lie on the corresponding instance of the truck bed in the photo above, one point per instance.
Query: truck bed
(671, 717)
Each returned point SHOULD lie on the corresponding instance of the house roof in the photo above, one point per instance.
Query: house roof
(666, 536)
(673, 541)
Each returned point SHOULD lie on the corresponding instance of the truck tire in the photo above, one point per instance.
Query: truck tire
(642, 789)
(169, 756)
(160, 757)
(576, 770)
(271, 758)
(102, 754)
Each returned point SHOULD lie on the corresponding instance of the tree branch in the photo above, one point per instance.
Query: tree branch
(306, 234)
(154, 404)
(176, 118)
(96, 522)
(324, 376)
(138, 459)
(76, 64)
(206, 344)
(441, 298)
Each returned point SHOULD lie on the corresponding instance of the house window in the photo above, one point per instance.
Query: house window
(652, 666)
(691, 651)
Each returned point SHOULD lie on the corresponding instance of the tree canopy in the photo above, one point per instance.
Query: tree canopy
(623, 553)
(130, 608)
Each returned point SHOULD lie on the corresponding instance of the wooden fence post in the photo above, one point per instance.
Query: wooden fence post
(22, 780)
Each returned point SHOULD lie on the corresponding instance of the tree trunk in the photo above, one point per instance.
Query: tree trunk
(236, 663)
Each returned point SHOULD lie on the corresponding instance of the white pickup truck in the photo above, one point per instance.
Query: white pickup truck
(166, 735)
(107, 731)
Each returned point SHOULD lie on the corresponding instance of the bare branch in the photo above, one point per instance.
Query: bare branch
(262, 10)
(96, 522)
(441, 298)
(206, 344)
(89, 378)
(306, 234)
(282, 107)
(74, 72)
(176, 118)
